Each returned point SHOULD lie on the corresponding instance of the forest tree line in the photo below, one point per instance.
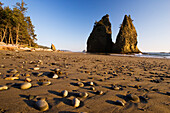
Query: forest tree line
(15, 27)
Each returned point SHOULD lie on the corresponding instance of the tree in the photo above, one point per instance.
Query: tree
(15, 26)
(5, 23)
(21, 6)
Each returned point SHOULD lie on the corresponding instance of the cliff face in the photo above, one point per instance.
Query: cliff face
(100, 40)
(126, 41)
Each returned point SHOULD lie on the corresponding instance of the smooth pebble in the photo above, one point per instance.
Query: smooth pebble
(119, 102)
(11, 78)
(42, 105)
(36, 68)
(55, 76)
(76, 102)
(83, 94)
(3, 87)
(133, 97)
(27, 79)
(80, 84)
(25, 85)
(64, 93)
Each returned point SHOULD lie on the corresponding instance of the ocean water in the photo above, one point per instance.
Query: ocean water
(165, 55)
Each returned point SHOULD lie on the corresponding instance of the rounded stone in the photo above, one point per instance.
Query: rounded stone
(92, 88)
(83, 94)
(76, 102)
(55, 76)
(11, 78)
(119, 102)
(80, 84)
(27, 74)
(17, 75)
(91, 83)
(64, 93)
(133, 97)
(114, 87)
(36, 68)
(99, 92)
(14, 71)
(57, 70)
(3, 87)
(46, 83)
(27, 79)
(25, 85)
(42, 105)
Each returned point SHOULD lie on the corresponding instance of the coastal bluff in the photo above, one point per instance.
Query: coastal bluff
(100, 40)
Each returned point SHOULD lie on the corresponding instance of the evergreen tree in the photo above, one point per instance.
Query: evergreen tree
(15, 27)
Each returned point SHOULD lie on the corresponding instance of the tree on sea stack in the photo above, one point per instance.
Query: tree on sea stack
(53, 47)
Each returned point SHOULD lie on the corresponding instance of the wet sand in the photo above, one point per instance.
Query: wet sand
(148, 78)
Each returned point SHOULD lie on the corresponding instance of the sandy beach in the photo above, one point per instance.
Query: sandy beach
(146, 78)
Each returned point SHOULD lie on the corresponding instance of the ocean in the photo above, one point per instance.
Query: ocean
(165, 55)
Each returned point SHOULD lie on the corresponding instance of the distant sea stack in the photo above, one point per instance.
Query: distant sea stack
(100, 40)
(126, 41)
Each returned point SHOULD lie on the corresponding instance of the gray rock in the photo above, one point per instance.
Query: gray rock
(42, 105)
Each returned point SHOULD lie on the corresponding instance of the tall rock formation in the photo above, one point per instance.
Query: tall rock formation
(53, 47)
(100, 40)
(126, 41)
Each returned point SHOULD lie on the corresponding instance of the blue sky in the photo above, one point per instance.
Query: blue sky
(68, 23)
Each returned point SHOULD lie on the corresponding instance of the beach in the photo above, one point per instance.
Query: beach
(146, 78)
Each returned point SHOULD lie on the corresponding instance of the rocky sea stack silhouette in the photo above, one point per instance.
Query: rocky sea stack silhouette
(100, 40)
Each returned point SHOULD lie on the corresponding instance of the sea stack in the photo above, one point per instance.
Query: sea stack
(126, 41)
(100, 40)
(53, 47)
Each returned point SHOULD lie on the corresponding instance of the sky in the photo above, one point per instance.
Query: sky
(68, 23)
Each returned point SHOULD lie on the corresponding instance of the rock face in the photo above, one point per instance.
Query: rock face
(53, 47)
(126, 41)
(100, 40)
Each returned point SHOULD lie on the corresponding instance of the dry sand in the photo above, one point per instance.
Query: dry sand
(152, 75)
